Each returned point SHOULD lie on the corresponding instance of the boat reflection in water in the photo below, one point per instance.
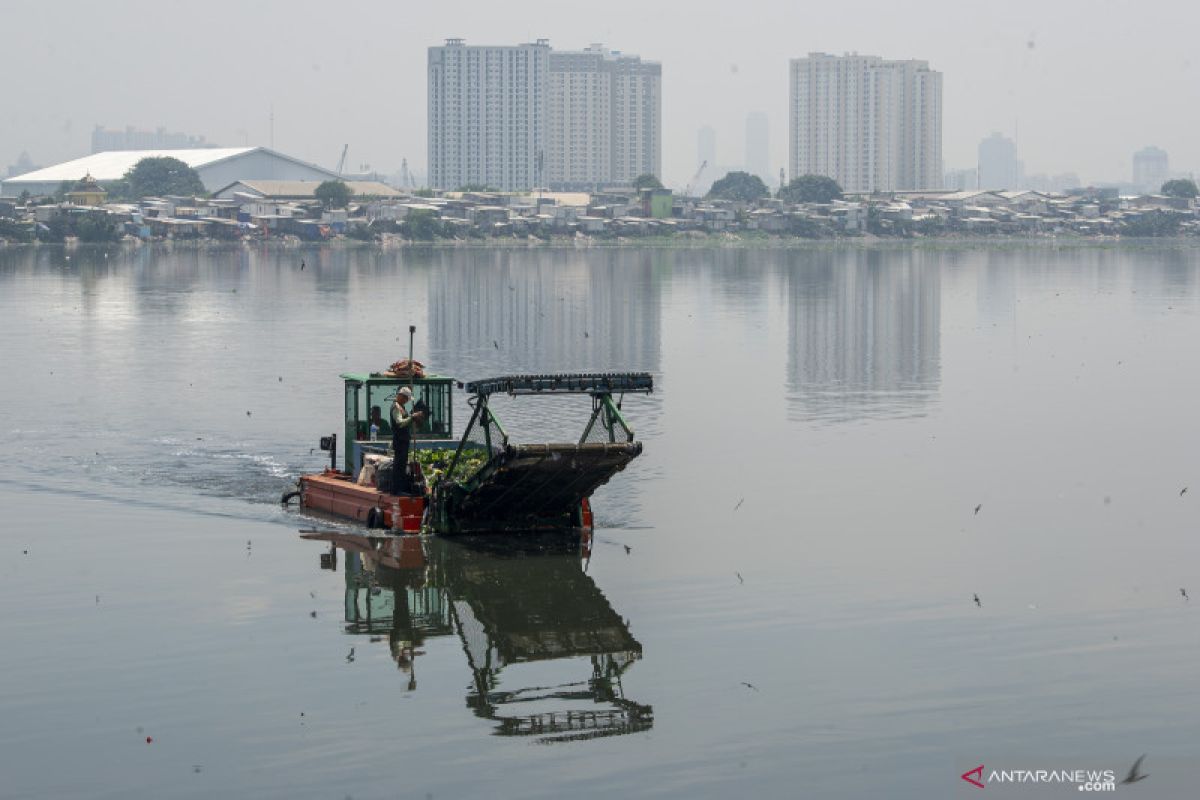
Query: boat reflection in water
(511, 601)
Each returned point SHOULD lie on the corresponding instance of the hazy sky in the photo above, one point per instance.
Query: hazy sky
(1084, 84)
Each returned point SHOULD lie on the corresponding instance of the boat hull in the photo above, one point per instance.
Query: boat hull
(336, 494)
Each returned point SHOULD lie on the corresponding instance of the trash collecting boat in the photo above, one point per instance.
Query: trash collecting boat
(481, 481)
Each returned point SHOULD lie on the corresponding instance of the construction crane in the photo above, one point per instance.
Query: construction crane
(687, 192)
(342, 161)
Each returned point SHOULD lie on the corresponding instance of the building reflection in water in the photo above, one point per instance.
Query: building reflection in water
(864, 336)
(549, 311)
(510, 600)
(497, 311)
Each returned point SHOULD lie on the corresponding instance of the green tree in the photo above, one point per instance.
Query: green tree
(424, 193)
(475, 187)
(811, 189)
(13, 231)
(162, 175)
(1152, 223)
(741, 186)
(97, 228)
(54, 231)
(805, 228)
(647, 181)
(1180, 187)
(421, 225)
(333, 194)
(930, 226)
(362, 233)
(119, 190)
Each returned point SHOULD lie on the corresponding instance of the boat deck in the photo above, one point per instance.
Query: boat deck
(335, 493)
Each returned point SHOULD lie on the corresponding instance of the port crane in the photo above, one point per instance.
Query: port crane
(687, 192)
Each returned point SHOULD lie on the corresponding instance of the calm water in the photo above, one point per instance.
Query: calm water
(779, 597)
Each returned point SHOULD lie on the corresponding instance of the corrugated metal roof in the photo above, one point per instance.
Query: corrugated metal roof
(308, 188)
(113, 164)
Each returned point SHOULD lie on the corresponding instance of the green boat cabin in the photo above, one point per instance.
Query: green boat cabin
(370, 396)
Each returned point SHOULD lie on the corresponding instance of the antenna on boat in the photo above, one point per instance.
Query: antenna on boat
(412, 370)
(412, 331)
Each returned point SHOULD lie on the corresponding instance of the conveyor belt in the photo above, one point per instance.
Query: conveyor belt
(532, 484)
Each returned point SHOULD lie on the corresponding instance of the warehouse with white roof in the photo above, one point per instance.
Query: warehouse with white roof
(217, 167)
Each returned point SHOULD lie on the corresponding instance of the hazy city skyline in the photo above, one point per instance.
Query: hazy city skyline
(1068, 81)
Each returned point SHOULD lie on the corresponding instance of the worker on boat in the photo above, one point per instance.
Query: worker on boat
(401, 439)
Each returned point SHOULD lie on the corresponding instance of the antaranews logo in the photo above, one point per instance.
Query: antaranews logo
(1085, 780)
(974, 777)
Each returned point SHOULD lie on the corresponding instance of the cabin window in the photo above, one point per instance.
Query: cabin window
(381, 396)
(436, 397)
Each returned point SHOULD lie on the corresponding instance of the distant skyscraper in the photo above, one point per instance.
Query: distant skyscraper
(104, 140)
(998, 166)
(758, 160)
(23, 165)
(487, 115)
(1151, 169)
(957, 180)
(872, 125)
(605, 119)
(706, 146)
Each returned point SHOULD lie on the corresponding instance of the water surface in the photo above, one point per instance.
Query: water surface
(778, 600)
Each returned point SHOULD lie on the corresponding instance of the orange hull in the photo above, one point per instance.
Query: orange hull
(335, 493)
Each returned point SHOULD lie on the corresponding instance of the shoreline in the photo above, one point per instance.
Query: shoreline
(708, 242)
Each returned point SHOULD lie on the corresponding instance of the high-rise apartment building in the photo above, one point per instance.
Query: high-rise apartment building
(487, 115)
(1151, 169)
(758, 160)
(998, 165)
(516, 117)
(604, 119)
(957, 180)
(872, 125)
